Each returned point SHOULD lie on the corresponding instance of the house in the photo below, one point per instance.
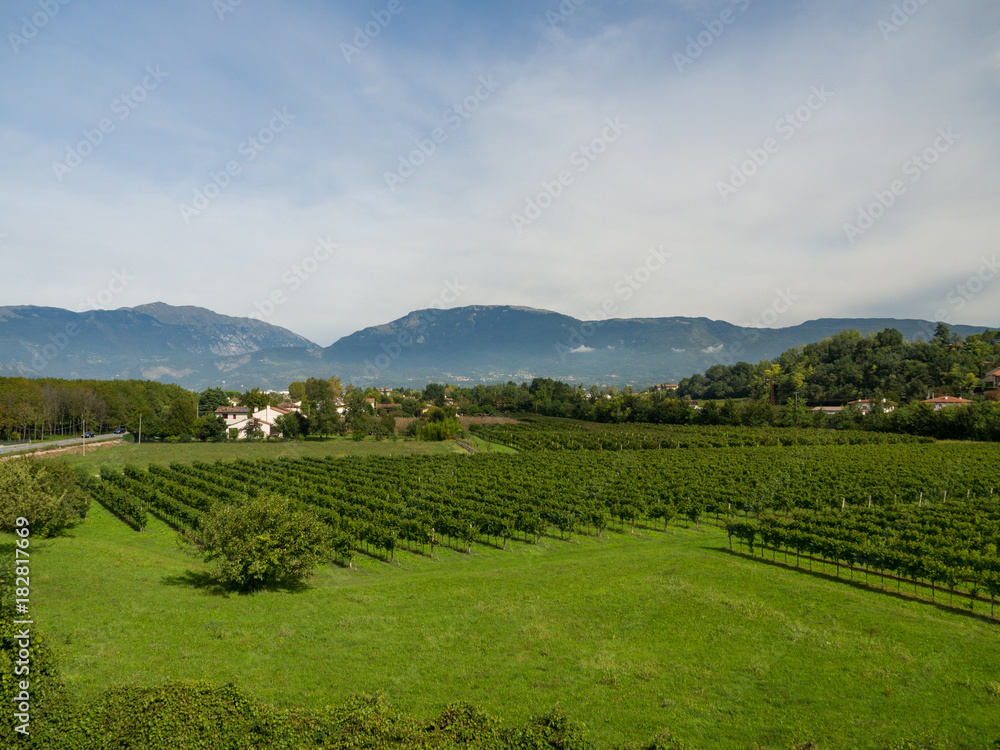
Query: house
(992, 379)
(864, 406)
(232, 414)
(942, 402)
(236, 418)
(829, 409)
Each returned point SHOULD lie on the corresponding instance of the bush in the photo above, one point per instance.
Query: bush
(47, 493)
(263, 541)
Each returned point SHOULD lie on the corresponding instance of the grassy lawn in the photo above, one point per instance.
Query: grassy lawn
(163, 453)
(629, 634)
(485, 446)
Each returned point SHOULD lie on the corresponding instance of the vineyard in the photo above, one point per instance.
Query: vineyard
(555, 434)
(948, 544)
(925, 513)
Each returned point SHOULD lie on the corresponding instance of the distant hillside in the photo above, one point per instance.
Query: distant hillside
(490, 343)
(155, 341)
(197, 348)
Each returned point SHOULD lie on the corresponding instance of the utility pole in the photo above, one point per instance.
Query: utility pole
(85, 437)
(140, 428)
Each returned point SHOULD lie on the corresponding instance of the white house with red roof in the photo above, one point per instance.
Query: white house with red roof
(942, 402)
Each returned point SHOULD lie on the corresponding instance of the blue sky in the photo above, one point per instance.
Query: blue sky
(331, 166)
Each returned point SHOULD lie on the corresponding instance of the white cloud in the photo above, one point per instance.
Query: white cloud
(655, 185)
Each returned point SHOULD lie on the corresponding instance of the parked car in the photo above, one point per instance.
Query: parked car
(89, 434)
(120, 431)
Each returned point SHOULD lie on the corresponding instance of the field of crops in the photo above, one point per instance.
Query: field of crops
(883, 509)
(740, 549)
(533, 433)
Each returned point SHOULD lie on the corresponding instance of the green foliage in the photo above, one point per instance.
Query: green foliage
(211, 428)
(434, 394)
(442, 429)
(50, 708)
(263, 541)
(211, 399)
(180, 419)
(254, 399)
(288, 426)
(47, 493)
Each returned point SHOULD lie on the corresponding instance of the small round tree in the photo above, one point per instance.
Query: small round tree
(263, 541)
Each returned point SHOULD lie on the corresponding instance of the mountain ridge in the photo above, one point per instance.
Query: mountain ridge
(196, 347)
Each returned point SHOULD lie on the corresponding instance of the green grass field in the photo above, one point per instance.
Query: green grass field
(629, 634)
(163, 453)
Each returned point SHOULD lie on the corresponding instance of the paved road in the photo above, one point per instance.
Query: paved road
(21, 447)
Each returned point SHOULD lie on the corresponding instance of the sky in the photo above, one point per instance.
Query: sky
(332, 166)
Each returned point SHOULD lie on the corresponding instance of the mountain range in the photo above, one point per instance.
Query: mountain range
(197, 348)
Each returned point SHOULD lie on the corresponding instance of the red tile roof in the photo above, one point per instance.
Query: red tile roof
(947, 400)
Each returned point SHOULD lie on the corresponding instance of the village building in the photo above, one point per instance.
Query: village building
(238, 417)
(943, 402)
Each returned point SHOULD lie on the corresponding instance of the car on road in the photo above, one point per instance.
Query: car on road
(119, 431)
(89, 434)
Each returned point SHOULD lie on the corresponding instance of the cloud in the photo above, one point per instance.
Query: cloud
(655, 184)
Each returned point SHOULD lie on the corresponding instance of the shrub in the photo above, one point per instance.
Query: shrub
(47, 493)
(262, 541)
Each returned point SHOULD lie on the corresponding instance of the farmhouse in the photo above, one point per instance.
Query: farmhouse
(864, 406)
(942, 402)
(829, 409)
(237, 417)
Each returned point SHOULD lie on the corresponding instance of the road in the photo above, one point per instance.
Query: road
(20, 448)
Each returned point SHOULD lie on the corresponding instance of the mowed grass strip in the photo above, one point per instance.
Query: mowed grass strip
(629, 634)
(142, 455)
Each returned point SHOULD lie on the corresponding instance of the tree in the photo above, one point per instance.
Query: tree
(46, 493)
(264, 541)
(288, 425)
(328, 421)
(434, 393)
(254, 399)
(212, 428)
(253, 429)
(180, 419)
(385, 426)
(211, 399)
(317, 391)
(359, 414)
(297, 391)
